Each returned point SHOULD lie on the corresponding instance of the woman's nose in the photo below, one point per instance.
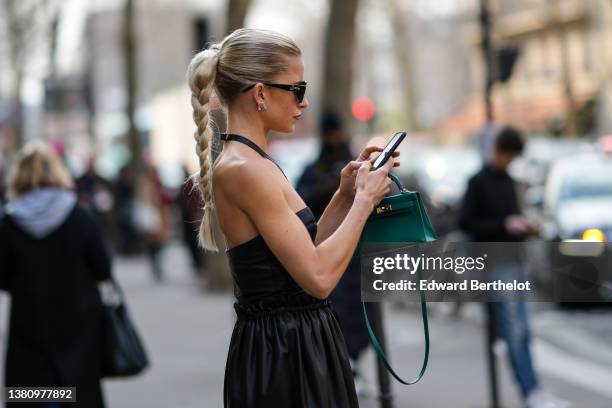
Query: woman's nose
(304, 103)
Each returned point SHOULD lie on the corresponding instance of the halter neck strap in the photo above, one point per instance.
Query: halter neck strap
(252, 145)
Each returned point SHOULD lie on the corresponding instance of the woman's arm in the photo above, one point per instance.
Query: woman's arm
(333, 215)
(341, 202)
(317, 269)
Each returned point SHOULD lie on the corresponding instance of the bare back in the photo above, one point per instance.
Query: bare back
(234, 160)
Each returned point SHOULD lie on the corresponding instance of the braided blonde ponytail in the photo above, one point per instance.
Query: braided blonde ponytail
(244, 57)
(201, 75)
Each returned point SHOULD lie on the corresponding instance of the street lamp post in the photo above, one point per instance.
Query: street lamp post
(487, 51)
(384, 379)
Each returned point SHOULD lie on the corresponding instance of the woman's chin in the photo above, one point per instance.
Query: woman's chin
(286, 129)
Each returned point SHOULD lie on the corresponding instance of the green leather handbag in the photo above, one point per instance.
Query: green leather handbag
(397, 219)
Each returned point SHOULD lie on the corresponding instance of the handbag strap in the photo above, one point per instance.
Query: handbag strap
(252, 145)
(397, 182)
(374, 340)
(381, 353)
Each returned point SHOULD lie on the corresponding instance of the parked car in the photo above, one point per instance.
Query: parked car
(532, 167)
(577, 214)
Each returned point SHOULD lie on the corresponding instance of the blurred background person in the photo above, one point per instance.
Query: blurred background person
(128, 241)
(490, 213)
(94, 194)
(320, 179)
(52, 255)
(151, 216)
(317, 186)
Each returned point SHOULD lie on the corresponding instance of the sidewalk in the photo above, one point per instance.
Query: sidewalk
(457, 376)
(187, 333)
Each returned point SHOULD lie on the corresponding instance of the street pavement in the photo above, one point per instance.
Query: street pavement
(187, 330)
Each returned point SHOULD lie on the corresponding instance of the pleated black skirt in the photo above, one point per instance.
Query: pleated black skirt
(288, 353)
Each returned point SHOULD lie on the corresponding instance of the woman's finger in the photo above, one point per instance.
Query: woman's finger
(364, 168)
(354, 165)
(367, 152)
(389, 164)
(351, 167)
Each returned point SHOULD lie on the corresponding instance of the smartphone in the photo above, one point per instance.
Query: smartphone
(388, 151)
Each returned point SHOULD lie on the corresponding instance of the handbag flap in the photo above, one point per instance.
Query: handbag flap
(393, 205)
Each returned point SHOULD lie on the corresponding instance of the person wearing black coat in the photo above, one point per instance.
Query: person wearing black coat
(490, 212)
(316, 186)
(51, 257)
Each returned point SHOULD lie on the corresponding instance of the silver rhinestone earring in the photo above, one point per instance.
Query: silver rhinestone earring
(261, 107)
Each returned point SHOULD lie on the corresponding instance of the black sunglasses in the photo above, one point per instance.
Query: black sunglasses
(299, 89)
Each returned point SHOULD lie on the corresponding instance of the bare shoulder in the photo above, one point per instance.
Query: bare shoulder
(249, 182)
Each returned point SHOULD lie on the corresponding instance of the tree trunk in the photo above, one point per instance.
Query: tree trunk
(218, 274)
(402, 46)
(487, 52)
(18, 118)
(89, 97)
(54, 28)
(236, 14)
(23, 22)
(130, 53)
(571, 117)
(338, 70)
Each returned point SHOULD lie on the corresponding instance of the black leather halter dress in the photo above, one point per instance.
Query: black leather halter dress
(287, 349)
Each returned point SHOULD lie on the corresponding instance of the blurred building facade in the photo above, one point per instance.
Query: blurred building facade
(563, 60)
(563, 53)
(167, 35)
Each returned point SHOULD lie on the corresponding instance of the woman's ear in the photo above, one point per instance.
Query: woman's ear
(258, 93)
(259, 97)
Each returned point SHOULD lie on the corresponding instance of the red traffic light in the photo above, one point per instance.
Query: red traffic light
(363, 109)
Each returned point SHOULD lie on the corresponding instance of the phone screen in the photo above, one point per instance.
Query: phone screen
(389, 149)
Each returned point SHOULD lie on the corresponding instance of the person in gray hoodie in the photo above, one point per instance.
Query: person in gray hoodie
(51, 257)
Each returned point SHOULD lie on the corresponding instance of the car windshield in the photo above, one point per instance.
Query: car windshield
(590, 181)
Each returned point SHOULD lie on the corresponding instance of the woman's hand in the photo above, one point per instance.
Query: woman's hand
(373, 186)
(348, 174)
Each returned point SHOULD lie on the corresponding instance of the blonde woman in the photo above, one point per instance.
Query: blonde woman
(287, 349)
(51, 255)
